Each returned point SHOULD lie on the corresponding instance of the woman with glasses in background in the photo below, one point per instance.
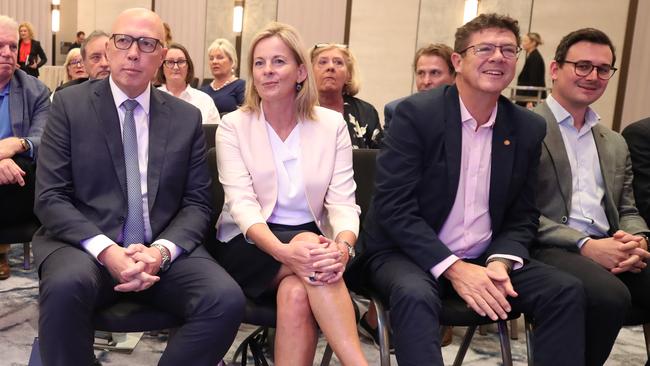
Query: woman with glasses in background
(175, 75)
(75, 71)
(337, 80)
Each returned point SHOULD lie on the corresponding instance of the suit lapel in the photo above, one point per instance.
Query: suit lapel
(608, 169)
(504, 146)
(554, 145)
(159, 129)
(104, 105)
(453, 143)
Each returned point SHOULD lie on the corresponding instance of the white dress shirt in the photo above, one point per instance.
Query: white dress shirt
(200, 100)
(98, 243)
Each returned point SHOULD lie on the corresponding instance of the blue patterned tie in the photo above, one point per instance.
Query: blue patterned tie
(134, 224)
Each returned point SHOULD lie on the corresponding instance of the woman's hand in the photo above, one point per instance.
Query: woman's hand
(331, 261)
(297, 255)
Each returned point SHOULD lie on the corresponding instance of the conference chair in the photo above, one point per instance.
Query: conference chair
(454, 310)
(21, 233)
(210, 131)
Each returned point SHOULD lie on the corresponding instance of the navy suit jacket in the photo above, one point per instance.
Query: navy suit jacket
(81, 176)
(418, 170)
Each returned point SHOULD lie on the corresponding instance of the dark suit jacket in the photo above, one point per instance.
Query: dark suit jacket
(29, 103)
(554, 190)
(389, 110)
(81, 177)
(418, 171)
(637, 136)
(36, 52)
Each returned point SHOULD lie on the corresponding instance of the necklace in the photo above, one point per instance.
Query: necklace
(224, 84)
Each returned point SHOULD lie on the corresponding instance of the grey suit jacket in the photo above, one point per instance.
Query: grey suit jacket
(554, 188)
(81, 177)
(29, 102)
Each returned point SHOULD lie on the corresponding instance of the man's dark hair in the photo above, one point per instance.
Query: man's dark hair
(438, 49)
(90, 38)
(591, 35)
(481, 22)
(80, 33)
(190, 65)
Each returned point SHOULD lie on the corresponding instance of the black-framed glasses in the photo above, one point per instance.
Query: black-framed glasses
(76, 63)
(170, 63)
(584, 68)
(488, 49)
(145, 44)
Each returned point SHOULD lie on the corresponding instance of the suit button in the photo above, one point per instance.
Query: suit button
(564, 219)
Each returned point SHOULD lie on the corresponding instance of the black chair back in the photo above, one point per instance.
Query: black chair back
(210, 132)
(364, 163)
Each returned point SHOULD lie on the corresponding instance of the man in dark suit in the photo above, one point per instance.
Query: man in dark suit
(123, 192)
(454, 208)
(637, 136)
(24, 103)
(589, 225)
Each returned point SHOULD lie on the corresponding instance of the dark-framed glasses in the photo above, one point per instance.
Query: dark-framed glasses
(77, 63)
(488, 49)
(145, 44)
(171, 63)
(584, 68)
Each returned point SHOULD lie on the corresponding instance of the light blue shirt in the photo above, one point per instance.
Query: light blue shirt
(5, 118)
(587, 213)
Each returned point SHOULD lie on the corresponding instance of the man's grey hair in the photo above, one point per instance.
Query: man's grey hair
(8, 22)
(92, 36)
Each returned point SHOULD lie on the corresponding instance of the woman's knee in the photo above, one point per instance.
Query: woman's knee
(292, 297)
(306, 236)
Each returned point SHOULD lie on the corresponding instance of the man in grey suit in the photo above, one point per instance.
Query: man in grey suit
(24, 104)
(432, 66)
(123, 192)
(589, 225)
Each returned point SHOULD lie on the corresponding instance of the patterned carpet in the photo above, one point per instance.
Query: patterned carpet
(19, 322)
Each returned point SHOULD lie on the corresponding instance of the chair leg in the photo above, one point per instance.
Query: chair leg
(382, 326)
(243, 346)
(464, 345)
(26, 256)
(529, 341)
(327, 356)
(514, 329)
(646, 334)
(506, 353)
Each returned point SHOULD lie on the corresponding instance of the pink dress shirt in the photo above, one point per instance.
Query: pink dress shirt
(468, 229)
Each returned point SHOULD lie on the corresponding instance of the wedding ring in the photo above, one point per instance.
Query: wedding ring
(312, 278)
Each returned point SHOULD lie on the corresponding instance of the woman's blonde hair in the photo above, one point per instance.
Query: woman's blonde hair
(30, 28)
(352, 85)
(71, 54)
(307, 96)
(227, 48)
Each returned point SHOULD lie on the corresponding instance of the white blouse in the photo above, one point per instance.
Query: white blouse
(200, 100)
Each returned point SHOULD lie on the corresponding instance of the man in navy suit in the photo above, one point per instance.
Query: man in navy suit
(123, 192)
(454, 208)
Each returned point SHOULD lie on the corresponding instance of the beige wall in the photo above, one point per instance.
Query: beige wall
(637, 92)
(218, 24)
(319, 28)
(100, 14)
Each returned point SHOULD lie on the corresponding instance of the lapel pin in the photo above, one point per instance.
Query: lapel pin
(506, 142)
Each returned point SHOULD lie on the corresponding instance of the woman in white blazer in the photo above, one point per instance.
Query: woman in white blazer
(289, 221)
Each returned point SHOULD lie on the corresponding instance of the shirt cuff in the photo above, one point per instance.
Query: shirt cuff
(518, 261)
(441, 267)
(96, 244)
(582, 242)
(31, 148)
(174, 250)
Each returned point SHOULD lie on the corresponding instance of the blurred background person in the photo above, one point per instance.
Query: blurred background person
(168, 34)
(286, 169)
(30, 53)
(81, 35)
(175, 75)
(93, 54)
(533, 71)
(432, 66)
(74, 66)
(335, 69)
(226, 89)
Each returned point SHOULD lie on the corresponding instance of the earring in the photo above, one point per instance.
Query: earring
(298, 87)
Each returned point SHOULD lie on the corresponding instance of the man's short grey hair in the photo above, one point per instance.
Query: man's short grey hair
(8, 22)
(92, 36)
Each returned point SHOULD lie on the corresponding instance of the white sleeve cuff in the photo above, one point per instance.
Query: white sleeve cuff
(96, 244)
(441, 267)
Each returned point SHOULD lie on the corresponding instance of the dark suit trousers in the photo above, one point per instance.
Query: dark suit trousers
(16, 202)
(553, 299)
(196, 289)
(608, 298)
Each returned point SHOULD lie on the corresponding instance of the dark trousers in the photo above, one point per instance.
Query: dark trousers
(553, 299)
(16, 202)
(608, 298)
(196, 289)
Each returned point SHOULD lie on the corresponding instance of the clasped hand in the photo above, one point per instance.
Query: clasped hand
(622, 252)
(318, 263)
(134, 267)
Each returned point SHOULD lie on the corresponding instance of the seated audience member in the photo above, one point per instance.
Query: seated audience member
(124, 199)
(637, 136)
(175, 75)
(589, 225)
(81, 36)
(75, 69)
(93, 54)
(448, 222)
(433, 67)
(335, 69)
(227, 90)
(290, 221)
(24, 105)
(532, 74)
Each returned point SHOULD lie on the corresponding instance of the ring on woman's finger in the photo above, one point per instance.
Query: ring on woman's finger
(312, 278)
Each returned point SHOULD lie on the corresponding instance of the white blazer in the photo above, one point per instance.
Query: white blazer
(248, 174)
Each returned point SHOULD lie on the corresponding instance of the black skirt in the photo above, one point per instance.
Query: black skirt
(253, 268)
